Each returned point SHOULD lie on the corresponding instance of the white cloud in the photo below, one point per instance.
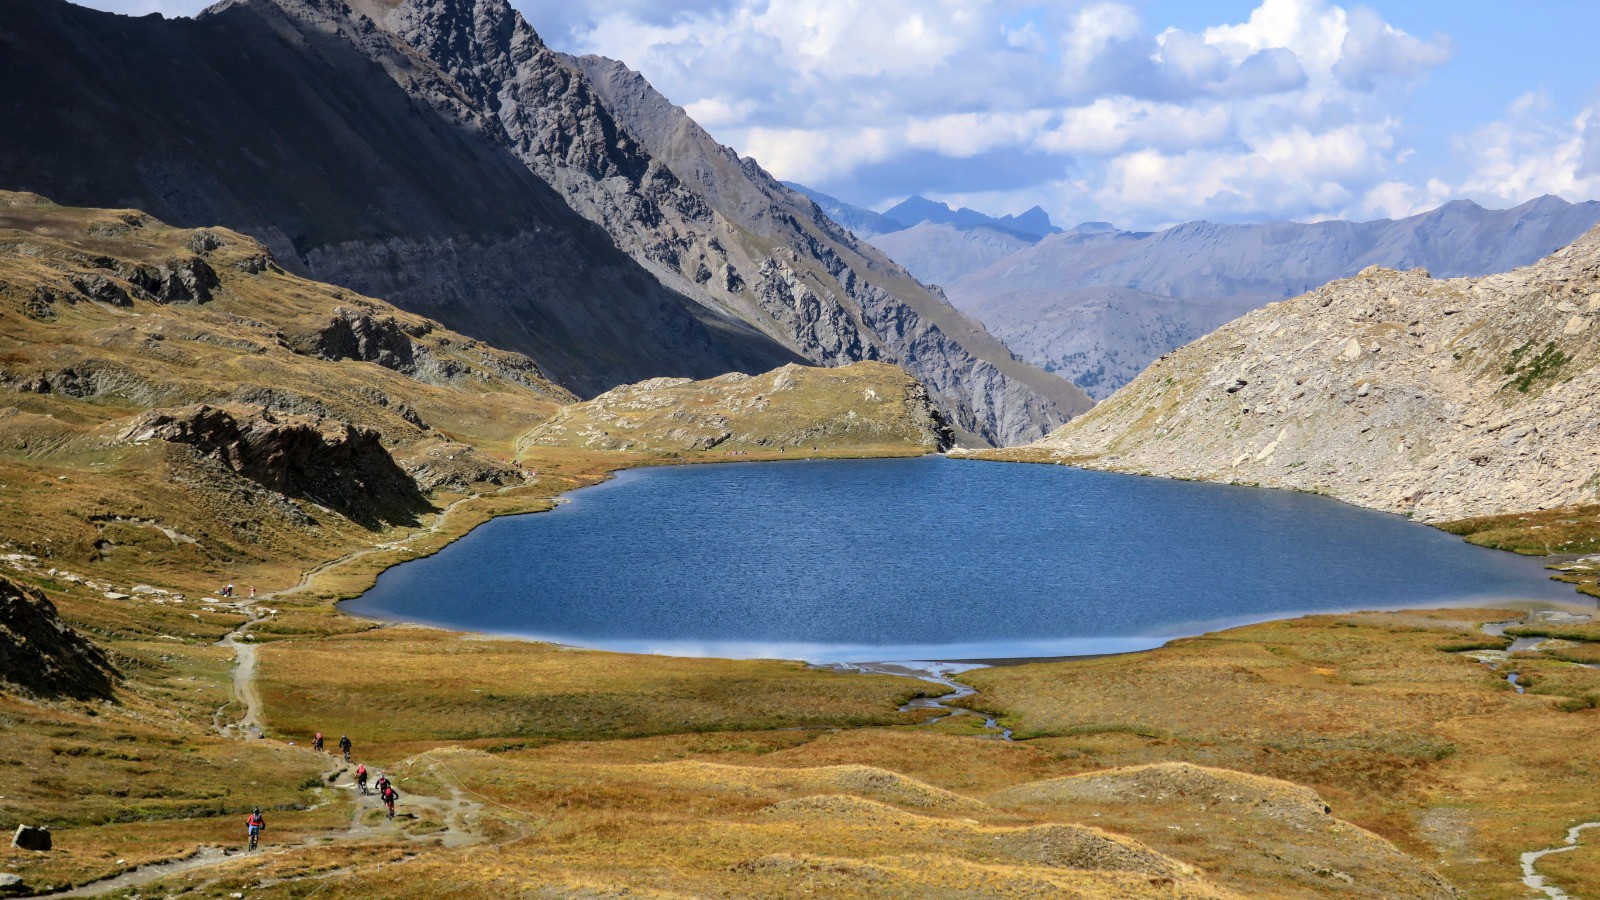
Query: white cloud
(1081, 105)
(168, 8)
(1290, 113)
(1532, 151)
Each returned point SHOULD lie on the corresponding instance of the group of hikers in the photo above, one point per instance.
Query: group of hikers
(255, 823)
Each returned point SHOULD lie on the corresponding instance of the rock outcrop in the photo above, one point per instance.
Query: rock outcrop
(865, 407)
(1441, 399)
(42, 655)
(330, 463)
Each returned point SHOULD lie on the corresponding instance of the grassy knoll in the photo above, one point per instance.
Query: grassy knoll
(867, 406)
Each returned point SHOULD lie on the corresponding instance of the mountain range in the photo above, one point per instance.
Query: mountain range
(437, 154)
(918, 210)
(1097, 305)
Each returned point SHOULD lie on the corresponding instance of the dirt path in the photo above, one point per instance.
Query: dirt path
(456, 814)
(457, 817)
(244, 680)
(1533, 879)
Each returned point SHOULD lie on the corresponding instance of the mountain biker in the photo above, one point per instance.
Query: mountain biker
(254, 825)
(382, 784)
(317, 743)
(344, 745)
(361, 778)
(389, 796)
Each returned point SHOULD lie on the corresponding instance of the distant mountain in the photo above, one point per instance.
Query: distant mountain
(864, 222)
(1031, 225)
(939, 253)
(1097, 306)
(935, 243)
(438, 154)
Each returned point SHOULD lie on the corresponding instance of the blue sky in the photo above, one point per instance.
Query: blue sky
(1139, 112)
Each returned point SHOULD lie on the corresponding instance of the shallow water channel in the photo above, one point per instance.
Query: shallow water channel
(929, 559)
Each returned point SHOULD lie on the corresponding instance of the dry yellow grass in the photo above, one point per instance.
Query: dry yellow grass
(1425, 747)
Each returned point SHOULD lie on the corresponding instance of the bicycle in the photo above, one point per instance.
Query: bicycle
(255, 836)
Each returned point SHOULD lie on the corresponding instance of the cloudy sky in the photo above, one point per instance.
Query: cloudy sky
(1139, 112)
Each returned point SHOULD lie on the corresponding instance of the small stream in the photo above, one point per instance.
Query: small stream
(936, 673)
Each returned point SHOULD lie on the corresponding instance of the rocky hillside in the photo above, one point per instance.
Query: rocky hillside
(1097, 305)
(1438, 398)
(173, 397)
(438, 154)
(865, 407)
(42, 655)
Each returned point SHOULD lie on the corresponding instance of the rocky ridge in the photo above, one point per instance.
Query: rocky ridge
(863, 407)
(1438, 398)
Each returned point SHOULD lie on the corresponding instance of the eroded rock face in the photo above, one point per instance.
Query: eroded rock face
(356, 334)
(175, 281)
(42, 655)
(1442, 399)
(333, 464)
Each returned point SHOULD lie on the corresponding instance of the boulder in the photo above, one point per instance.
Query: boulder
(12, 885)
(29, 837)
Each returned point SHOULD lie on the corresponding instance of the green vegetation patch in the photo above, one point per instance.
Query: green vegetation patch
(1526, 370)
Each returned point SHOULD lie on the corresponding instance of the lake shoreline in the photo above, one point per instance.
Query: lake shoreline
(823, 654)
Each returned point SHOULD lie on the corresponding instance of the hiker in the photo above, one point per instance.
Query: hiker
(344, 746)
(361, 778)
(389, 796)
(316, 744)
(254, 825)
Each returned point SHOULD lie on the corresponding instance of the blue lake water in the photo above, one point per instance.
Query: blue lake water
(929, 558)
